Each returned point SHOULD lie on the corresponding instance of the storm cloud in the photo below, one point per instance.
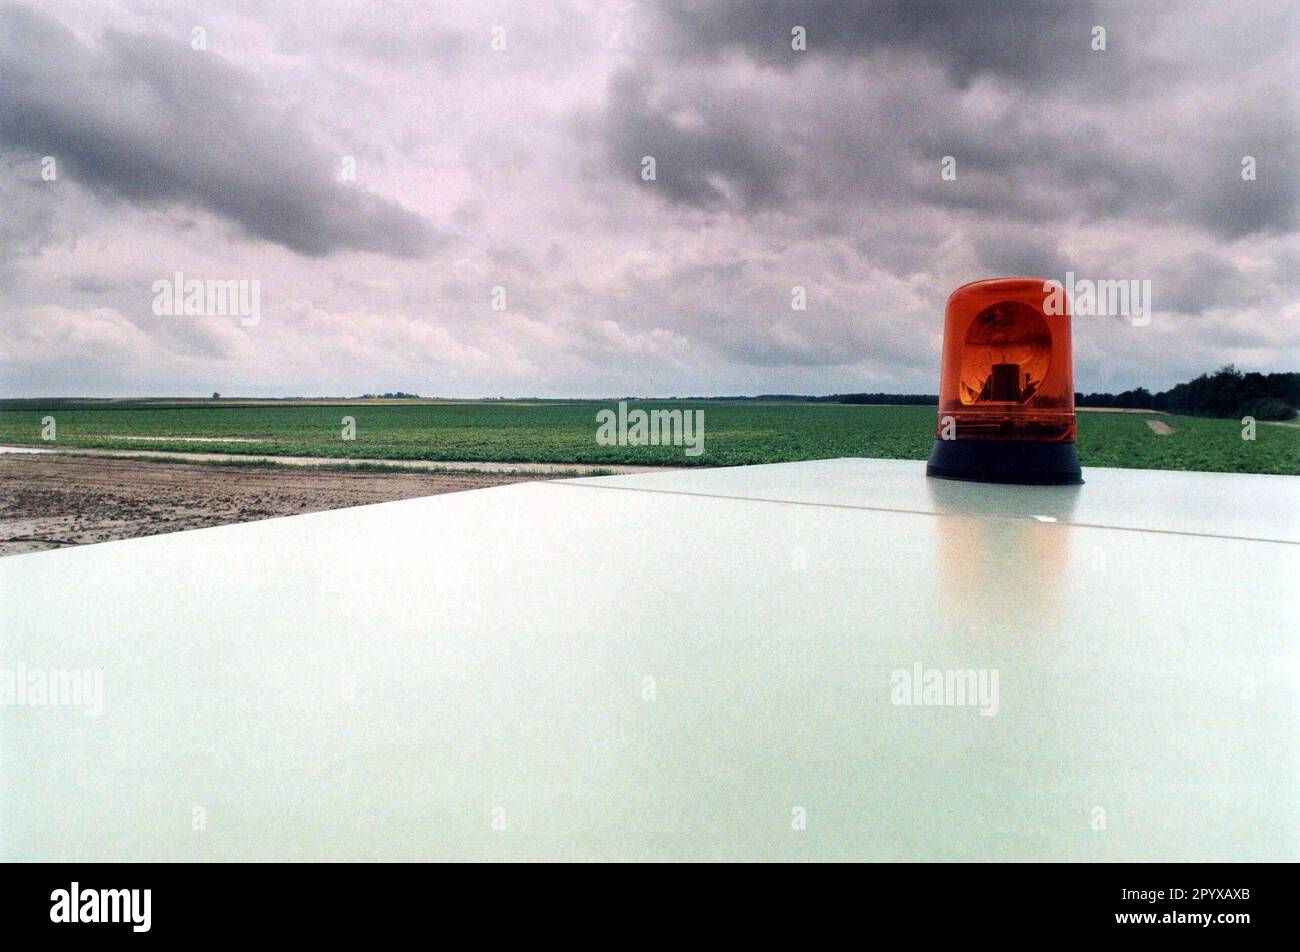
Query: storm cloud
(501, 237)
(146, 118)
(1024, 40)
(1014, 91)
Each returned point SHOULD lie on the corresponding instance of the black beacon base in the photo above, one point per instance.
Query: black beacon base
(1025, 462)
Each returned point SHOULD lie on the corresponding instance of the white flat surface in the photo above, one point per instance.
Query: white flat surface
(382, 682)
(1220, 504)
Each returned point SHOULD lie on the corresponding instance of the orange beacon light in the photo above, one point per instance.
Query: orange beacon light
(1006, 390)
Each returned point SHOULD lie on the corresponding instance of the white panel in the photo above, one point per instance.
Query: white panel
(1228, 504)
(375, 682)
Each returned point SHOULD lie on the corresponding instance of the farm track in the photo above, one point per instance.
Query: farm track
(52, 501)
(469, 466)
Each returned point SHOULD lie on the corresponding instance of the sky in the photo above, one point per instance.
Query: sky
(452, 199)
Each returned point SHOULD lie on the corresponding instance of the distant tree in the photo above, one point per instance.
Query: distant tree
(215, 395)
(1139, 399)
(1225, 393)
(1267, 408)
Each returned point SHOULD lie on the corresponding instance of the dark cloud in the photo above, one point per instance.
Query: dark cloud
(1015, 251)
(1025, 40)
(146, 119)
(706, 154)
(865, 130)
(1199, 281)
(1266, 128)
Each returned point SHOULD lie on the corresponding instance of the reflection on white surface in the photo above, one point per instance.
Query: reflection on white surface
(1225, 504)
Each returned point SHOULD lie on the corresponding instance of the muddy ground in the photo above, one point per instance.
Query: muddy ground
(54, 501)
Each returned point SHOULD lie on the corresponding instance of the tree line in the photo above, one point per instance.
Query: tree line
(1225, 393)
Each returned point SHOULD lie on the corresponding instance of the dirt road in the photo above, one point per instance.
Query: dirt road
(531, 469)
(53, 501)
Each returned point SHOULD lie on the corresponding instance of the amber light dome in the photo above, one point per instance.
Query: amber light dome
(1007, 367)
(1006, 387)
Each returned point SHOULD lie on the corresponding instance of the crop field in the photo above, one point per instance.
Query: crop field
(735, 433)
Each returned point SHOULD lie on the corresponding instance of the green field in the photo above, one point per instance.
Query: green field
(564, 432)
